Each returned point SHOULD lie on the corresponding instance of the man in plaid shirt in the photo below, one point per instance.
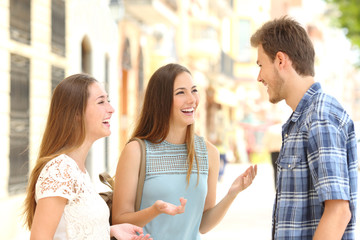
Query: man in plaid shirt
(316, 188)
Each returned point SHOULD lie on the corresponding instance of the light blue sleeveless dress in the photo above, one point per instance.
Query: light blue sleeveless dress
(166, 169)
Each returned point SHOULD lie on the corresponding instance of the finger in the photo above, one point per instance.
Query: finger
(247, 172)
(252, 173)
(183, 201)
(138, 229)
(146, 236)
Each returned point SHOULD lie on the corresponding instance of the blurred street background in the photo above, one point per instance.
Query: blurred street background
(122, 42)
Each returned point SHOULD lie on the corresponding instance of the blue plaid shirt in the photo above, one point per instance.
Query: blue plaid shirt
(317, 162)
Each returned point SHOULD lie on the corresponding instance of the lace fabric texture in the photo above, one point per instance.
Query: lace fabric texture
(85, 215)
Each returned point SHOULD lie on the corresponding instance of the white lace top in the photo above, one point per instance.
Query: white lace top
(86, 215)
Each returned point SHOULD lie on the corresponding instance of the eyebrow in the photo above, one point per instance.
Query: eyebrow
(102, 96)
(182, 88)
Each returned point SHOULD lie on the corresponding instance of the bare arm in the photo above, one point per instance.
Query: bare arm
(47, 216)
(126, 180)
(213, 214)
(335, 218)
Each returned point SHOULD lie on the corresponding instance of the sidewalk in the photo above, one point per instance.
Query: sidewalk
(249, 217)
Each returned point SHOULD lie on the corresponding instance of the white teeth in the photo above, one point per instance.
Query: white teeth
(188, 110)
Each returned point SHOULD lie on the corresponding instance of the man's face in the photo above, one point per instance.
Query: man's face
(270, 77)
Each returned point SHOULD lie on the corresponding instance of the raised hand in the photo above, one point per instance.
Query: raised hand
(243, 181)
(128, 231)
(171, 209)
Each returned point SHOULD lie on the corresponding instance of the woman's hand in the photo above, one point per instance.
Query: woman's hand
(128, 231)
(170, 209)
(243, 181)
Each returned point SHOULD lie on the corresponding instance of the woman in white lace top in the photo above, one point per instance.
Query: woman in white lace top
(61, 201)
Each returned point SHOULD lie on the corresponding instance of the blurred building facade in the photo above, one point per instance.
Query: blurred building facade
(43, 41)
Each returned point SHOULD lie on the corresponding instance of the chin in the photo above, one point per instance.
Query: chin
(106, 134)
(190, 123)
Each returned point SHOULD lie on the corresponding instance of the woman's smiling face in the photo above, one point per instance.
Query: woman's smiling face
(185, 101)
(98, 113)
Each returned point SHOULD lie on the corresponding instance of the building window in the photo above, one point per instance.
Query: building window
(20, 21)
(19, 123)
(126, 57)
(227, 65)
(242, 28)
(57, 75)
(58, 27)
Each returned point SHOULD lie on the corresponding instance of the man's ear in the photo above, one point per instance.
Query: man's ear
(281, 59)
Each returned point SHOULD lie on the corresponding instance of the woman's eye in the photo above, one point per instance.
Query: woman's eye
(101, 102)
(195, 90)
(178, 93)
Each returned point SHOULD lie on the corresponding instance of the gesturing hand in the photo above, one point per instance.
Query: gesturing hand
(171, 209)
(128, 231)
(243, 181)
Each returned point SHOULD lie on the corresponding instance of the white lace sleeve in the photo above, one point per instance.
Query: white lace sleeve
(58, 179)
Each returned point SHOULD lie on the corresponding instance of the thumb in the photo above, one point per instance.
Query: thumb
(183, 201)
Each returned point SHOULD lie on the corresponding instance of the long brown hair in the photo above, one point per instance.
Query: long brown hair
(64, 131)
(154, 120)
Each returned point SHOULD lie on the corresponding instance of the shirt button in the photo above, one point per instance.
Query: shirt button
(286, 135)
(289, 165)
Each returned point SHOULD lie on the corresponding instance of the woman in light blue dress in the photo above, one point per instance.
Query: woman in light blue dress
(179, 194)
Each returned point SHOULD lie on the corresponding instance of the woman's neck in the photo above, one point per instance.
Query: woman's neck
(80, 154)
(176, 135)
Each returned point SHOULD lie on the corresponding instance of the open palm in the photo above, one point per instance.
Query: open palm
(171, 209)
(243, 181)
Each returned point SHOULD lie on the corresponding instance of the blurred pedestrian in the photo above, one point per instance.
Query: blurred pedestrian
(223, 159)
(272, 142)
(317, 180)
(179, 165)
(61, 202)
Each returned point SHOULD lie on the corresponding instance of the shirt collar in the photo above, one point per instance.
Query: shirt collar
(304, 102)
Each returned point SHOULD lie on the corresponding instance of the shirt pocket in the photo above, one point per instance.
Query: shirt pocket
(289, 162)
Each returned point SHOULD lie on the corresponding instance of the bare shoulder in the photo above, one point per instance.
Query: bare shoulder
(131, 151)
(132, 146)
(212, 149)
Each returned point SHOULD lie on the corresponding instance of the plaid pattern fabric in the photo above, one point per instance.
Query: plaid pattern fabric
(317, 162)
